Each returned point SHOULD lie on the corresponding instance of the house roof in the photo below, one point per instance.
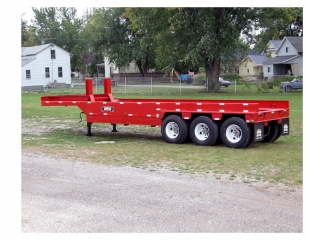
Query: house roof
(297, 43)
(27, 60)
(28, 51)
(258, 59)
(100, 64)
(280, 59)
(276, 43)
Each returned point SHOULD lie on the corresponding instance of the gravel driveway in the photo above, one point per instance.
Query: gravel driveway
(71, 196)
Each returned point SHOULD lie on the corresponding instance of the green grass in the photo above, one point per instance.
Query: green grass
(56, 131)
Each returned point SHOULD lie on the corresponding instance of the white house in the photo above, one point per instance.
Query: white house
(110, 68)
(288, 58)
(272, 48)
(45, 65)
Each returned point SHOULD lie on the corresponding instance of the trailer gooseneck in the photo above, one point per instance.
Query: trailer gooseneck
(235, 123)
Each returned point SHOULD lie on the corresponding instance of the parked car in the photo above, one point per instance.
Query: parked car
(223, 83)
(295, 84)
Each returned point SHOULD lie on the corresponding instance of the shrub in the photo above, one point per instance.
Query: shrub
(199, 78)
(285, 78)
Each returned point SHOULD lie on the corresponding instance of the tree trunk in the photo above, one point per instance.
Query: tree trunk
(139, 64)
(212, 66)
(146, 64)
(212, 74)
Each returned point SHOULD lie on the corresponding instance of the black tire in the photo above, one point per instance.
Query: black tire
(236, 133)
(188, 137)
(174, 129)
(218, 140)
(271, 132)
(251, 137)
(279, 133)
(203, 131)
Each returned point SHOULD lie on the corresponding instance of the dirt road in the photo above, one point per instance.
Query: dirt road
(71, 196)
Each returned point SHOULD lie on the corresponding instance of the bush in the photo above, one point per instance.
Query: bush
(285, 78)
(198, 79)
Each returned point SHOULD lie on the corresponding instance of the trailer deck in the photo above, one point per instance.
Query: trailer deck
(259, 116)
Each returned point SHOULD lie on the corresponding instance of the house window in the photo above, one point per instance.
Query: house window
(53, 54)
(28, 75)
(59, 71)
(287, 49)
(47, 72)
(268, 69)
(248, 70)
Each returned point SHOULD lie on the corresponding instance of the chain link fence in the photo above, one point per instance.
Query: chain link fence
(167, 85)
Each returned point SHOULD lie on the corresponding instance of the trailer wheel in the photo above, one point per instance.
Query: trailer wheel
(188, 137)
(174, 129)
(203, 131)
(272, 132)
(218, 140)
(235, 133)
(251, 137)
(279, 133)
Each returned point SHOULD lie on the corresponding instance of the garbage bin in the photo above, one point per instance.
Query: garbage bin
(188, 80)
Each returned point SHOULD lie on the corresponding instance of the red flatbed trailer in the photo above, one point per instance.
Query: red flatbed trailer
(236, 123)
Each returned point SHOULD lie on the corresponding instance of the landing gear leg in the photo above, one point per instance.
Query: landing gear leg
(89, 130)
(114, 128)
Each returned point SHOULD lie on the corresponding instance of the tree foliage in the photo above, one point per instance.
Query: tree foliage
(109, 31)
(28, 35)
(276, 23)
(194, 37)
(56, 25)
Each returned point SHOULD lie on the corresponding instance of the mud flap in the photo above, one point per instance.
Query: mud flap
(258, 132)
(285, 126)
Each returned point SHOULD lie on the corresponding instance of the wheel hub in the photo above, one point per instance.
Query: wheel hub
(202, 131)
(172, 130)
(234, 133)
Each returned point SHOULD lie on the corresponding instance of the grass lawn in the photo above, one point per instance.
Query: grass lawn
(56, 131)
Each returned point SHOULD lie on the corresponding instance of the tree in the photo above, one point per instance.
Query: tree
(70, 32)
(195, 36)
(28, 35)
(153, 28)
(110, 31)
(46, 22)
(276, 23)
(23, 31)
(59, 26)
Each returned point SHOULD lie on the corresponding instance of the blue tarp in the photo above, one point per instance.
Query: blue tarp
(185, 76)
